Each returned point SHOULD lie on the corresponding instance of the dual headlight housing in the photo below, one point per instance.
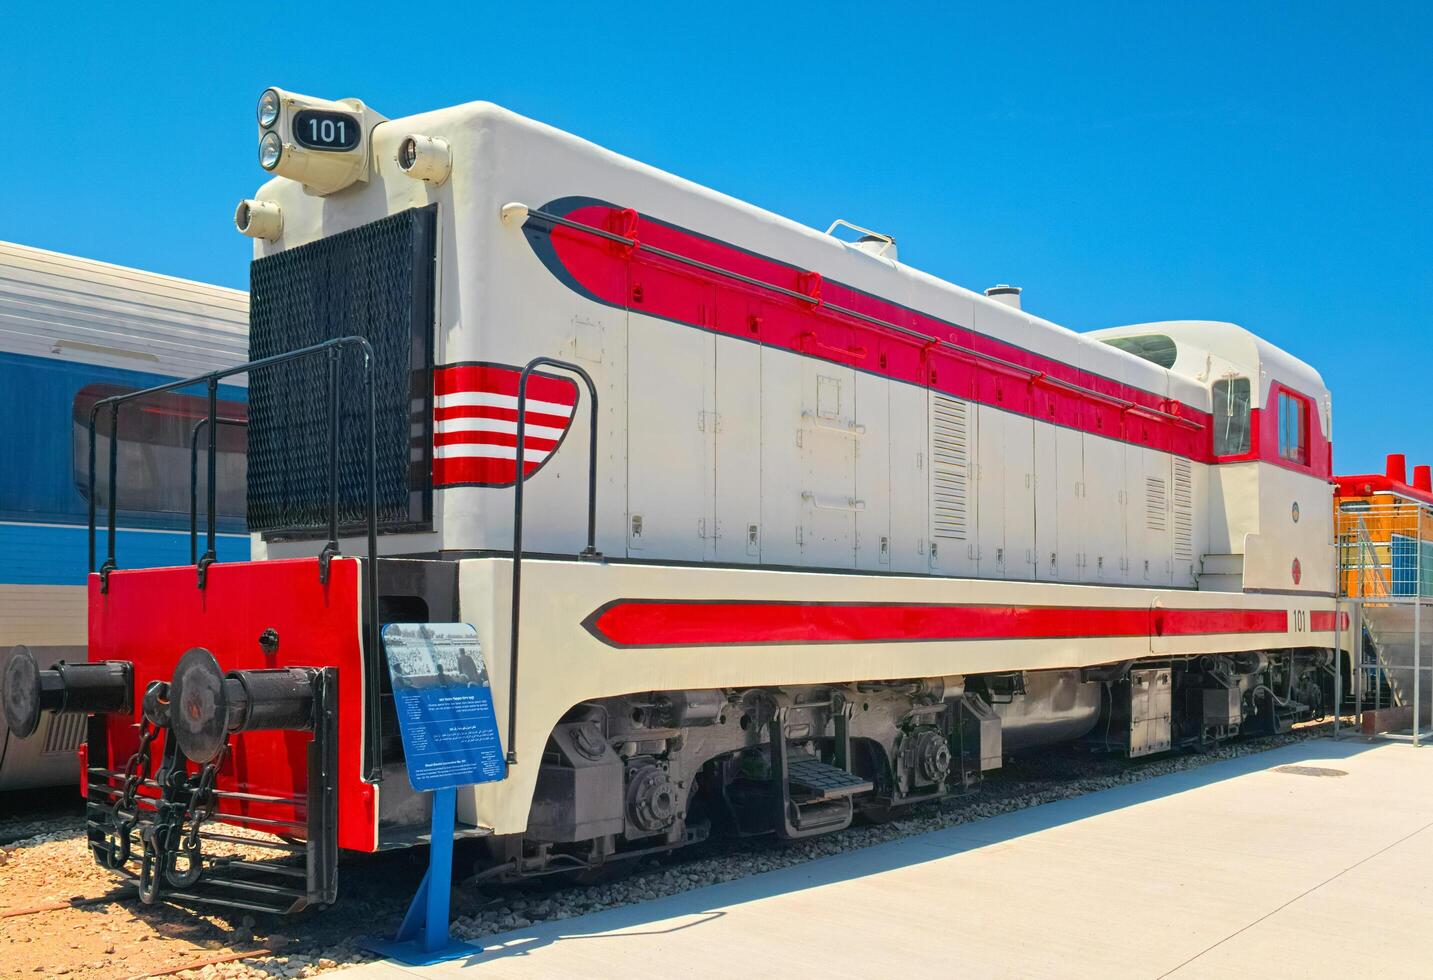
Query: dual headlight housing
(322, 144)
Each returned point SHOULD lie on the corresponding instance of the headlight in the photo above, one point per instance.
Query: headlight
(259, 219)
(270, 149)
(268, 108)
(425, 158)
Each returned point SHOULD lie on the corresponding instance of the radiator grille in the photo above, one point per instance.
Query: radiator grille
(949, 467)
(1183, 510)
(376, 282)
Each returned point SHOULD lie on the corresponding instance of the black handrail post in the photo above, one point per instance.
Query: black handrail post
(520, 478)
(194, 481)
(194, 491)
(375, 741)
(113, 500)
(94, 409)
(331, 549)
(210, 556)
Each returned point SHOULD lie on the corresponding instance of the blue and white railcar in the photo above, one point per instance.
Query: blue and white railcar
(72, 331)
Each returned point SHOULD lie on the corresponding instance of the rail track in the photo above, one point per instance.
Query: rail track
(63, 916)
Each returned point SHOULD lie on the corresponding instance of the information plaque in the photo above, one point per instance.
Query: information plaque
(444, 704)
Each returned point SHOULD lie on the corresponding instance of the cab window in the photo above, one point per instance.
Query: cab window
(1293, 428)
(1231, 417)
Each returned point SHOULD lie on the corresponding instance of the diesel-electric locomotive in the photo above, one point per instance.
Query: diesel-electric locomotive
(760, 528)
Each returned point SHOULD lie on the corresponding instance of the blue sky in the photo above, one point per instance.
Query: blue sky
(1263, 163)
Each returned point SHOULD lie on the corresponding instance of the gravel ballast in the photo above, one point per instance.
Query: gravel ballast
(103, 931)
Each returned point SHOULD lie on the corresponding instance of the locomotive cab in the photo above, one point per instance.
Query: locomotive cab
(1270, 500)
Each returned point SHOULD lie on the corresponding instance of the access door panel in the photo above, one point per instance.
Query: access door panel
(1103, 511)
(1019, 458)
(875, 472)
(735, 429)
(827, 488)
(669, 464)
(991, 444)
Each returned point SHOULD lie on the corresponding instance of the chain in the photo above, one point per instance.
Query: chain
(200, 808)
(168, 816)
(124, 814)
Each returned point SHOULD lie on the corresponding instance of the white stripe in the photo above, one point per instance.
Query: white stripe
(488, 398)
(497, 425)
(102, 529)
(471, 451)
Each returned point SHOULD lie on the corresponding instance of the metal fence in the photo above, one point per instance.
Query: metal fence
(1385, 556)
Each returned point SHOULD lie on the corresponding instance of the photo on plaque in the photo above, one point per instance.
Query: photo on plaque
(444, 704)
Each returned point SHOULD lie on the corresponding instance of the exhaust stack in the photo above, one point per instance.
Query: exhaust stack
(1009, 295)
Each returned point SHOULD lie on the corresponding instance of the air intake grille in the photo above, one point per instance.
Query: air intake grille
(1156, 504)
(949, 467)
(1183, 510)
(375, 281)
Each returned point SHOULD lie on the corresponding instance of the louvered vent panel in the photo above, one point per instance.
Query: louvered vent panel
(1183, 510)
(64, 735)
(1156, 503)
(949, 467)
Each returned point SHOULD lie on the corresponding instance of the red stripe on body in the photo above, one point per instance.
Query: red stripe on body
(484, 471)
(497, 379)
(1030, 384)
(638, 623)
(502, 380)
(1322, 621)
(676, 292)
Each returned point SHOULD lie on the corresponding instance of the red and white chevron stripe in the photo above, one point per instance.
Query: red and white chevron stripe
(475, 423)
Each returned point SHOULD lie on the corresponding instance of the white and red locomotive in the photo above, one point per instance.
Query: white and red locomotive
(856, 533)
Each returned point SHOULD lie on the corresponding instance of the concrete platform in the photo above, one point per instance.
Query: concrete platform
(1232, 870)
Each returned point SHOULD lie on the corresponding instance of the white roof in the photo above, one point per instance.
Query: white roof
(73, 309)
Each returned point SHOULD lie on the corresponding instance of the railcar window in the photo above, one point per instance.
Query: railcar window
(1231, 416)
(1155, 347)
(1293, 428)
(153, 466)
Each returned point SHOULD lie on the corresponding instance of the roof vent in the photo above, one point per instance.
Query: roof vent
(870, 242)
(1009, 295)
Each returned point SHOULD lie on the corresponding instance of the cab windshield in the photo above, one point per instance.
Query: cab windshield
(1231, 417)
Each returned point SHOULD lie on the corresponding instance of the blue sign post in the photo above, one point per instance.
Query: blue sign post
(450, 739)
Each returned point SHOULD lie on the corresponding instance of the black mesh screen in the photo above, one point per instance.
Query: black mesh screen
(375, 281)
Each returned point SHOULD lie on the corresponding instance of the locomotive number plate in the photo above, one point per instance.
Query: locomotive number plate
(320, 129)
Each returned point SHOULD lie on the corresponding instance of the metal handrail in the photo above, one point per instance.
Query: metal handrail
(194, 480)
(590, 553)
(1033, 375)
(333, 348)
